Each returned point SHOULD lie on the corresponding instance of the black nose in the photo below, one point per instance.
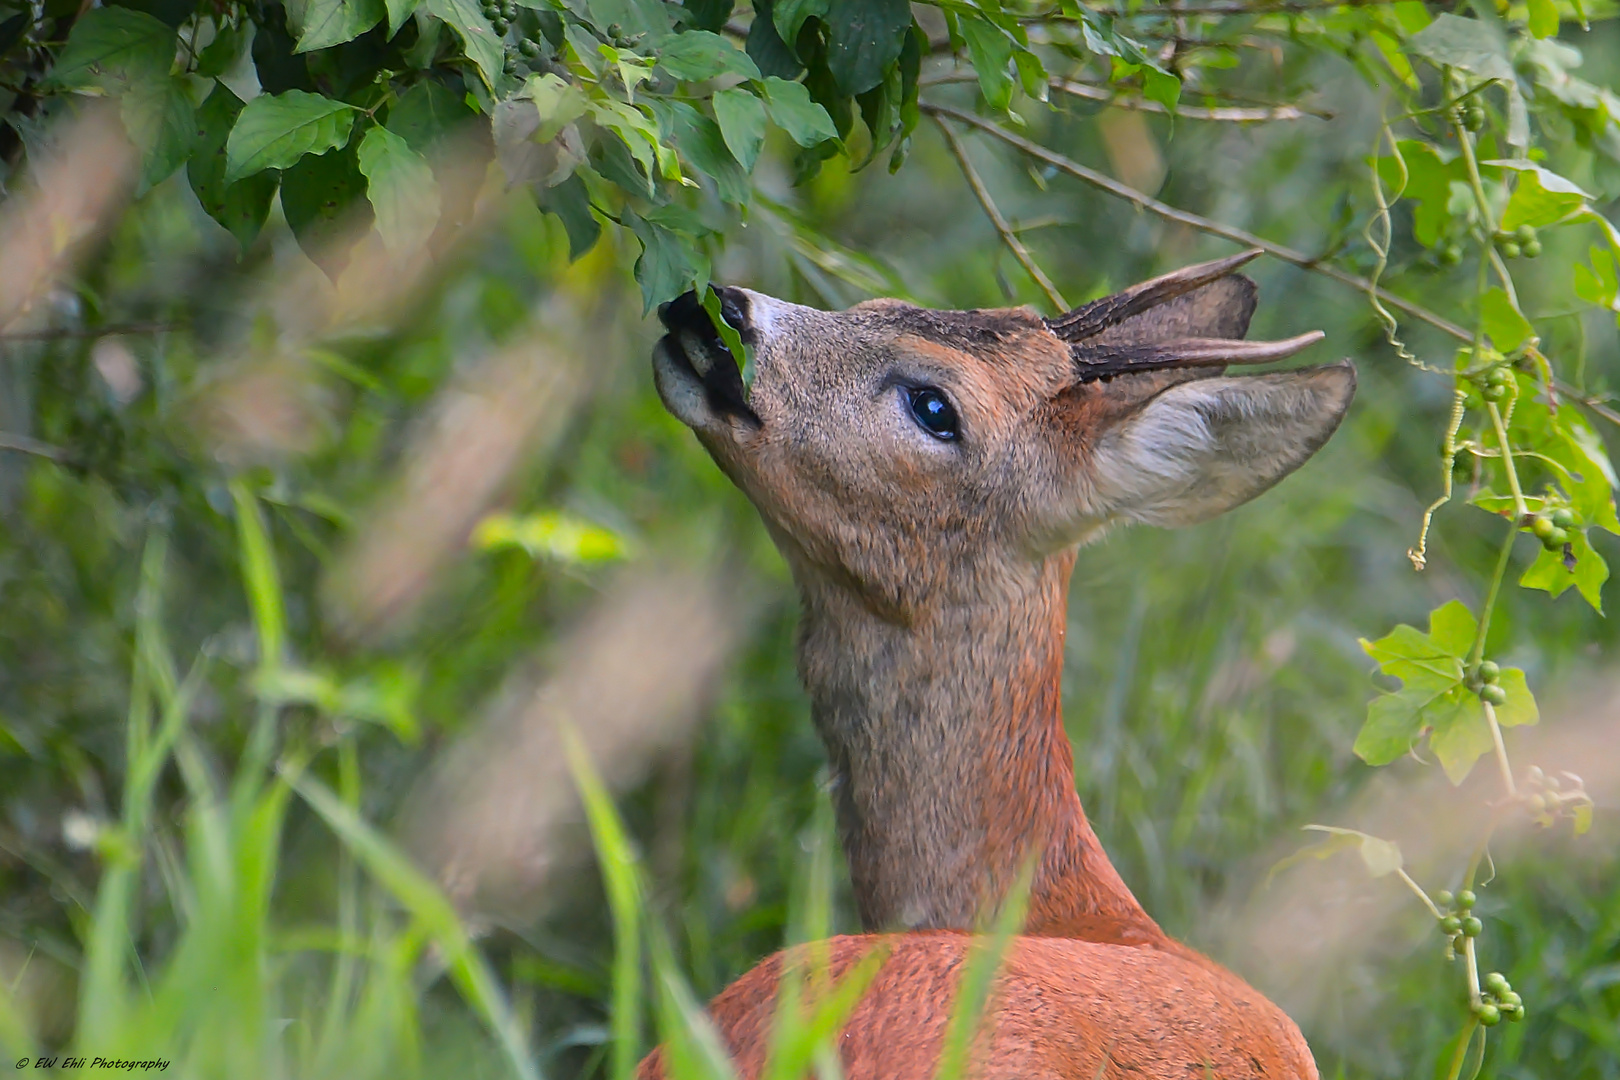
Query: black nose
(734, 309)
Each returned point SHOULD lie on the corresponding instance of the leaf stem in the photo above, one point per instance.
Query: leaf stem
(1421, 895)
(1477, 653)
(1501, 751)
(1519, 508)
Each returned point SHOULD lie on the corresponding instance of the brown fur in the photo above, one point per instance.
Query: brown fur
(933, 578)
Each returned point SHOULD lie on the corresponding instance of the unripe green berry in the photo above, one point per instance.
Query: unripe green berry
(509, 10)
(1493, 391)
(1450, 255)
(1443, 898)
(1496, 983)
(1563, 517)
(1516, 1015)
(1511, 1000)
(529, 48)
(1466, 899)
(1472, 927)
(1511, 249)
(1536, 804)
(1474, 116)
(1492, 693)
(1489, 672)
(1534, 775)
(1542, 527)
(1532, 250)
(1488, 1014)
(1524, 233)
(1497, 376)
(1556, 540)
(1451, 925)
(501, 25)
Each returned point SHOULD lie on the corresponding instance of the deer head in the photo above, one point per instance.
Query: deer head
(909, 453)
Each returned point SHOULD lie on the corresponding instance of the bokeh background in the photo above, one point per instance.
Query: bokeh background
(480, 518)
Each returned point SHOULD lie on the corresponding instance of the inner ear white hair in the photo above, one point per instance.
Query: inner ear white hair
(1203, 447)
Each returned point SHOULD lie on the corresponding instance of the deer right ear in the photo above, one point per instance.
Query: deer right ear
(1204, 446)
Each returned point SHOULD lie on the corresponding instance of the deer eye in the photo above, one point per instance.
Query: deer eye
(933, 412)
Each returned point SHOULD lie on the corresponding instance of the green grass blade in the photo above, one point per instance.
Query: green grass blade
(693, 1048)
(978, 976)
(432, 910)
(260, 576)
(618, 861)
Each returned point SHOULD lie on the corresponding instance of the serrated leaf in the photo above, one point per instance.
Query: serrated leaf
(274, 131)
(1585, 569)
(400, 186)
(1429, 176)
(240, 207)
(571, 202)
(668, 264)
(1506, 326)
(320, 24)
(864, 38)
(741, 117)
(697, 55)
(478, 38)
(701, 142)
(113, 40)
(1394, 723)
(791, 109)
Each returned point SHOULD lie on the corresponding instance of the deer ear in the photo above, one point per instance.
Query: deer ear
(1202, 447)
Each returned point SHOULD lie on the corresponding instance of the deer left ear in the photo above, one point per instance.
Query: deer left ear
(1203, 447)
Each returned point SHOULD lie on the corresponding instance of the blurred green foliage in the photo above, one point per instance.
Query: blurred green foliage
(205, 731)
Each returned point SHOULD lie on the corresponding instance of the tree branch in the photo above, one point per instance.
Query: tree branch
(1008, 237)
(1110, 96)
(113, 330)
(1196, 221)
(22, 444)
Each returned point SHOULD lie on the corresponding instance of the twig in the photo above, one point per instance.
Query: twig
(22, 444)
(91, 331)
(1196, 221)
(1008, 237)
(1108, 96)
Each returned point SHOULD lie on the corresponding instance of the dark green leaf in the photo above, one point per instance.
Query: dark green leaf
(160, 119)
(669, 261)
(427, 113)
(708, 14)
(773, 57)
(323, 197)
(864, 38)
(114, 41)
(791, 109)
(1506, 326)
(991, 51)
(398, 12)
(320, 24)
(571, 202)
(1162, 87)
(221, 54)
(788, 16)
(697, 55)
(240, 207)
(700, 141)
(741, 117)
(401, 189)
(478, 39)
(274, 131)
(1477, 47)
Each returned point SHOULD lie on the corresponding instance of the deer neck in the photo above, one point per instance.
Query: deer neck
(951, 765)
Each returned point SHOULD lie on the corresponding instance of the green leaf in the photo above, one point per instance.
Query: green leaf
(766, 49)
(698, 55)
(741, 117)
(1382, 857)
(275, 131)
(788, 16)
(571, 202)
(559, 103)
(864, 38)
(1507, 327)
(161, 122)
(398, 12)
(1599, 285)
(323, 197)
(550, 535)
(791, 109)
(1452, 628)
(1394, 723)
(1519, 710)
(1429, 176)
(240, 207)
(1161, 86)
(1459, 735)
(1584, 568)
(320, 24)
(478, 38)
(400, 185)
(116, 41)
(668, 264)
(1477, 47)
(991, 51)
(1541, 196)
(1543, 18)
(426, 114)
(221, 54)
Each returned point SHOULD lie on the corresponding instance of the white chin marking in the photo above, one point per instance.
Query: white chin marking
(681, 392)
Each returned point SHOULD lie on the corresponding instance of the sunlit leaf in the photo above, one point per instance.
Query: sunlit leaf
(552, 535)
(1541, 196)
(400, 185)
(1505, 325)
(791, 109)
(1583, 568)
(274, 131)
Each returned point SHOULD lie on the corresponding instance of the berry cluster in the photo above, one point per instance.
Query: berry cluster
(1521, 241)
(1497, 1000)
(530, 44)
(1485, 683)
(1497, 384)
(1548, 798)
(1472, 115)
(1553, 529)
(1459, 922)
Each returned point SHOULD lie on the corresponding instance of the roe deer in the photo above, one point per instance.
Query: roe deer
(928, 476)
